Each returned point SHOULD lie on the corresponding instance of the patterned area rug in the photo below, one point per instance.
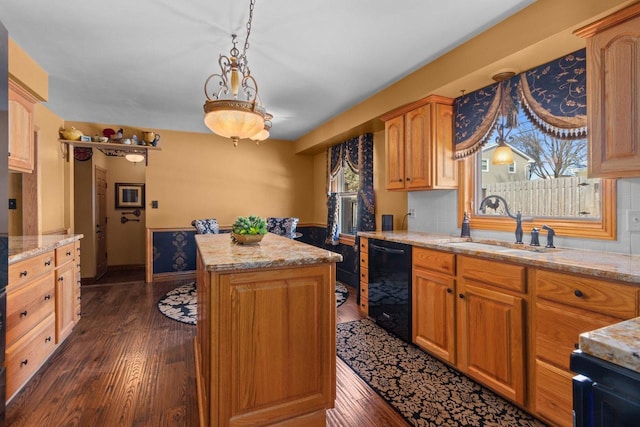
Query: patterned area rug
(342, 293)
(422, 389)
(181, 303)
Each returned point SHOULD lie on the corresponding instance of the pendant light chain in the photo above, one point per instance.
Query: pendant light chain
(246, 41)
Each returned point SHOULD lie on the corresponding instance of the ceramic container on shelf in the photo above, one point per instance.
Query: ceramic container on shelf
(72, 134)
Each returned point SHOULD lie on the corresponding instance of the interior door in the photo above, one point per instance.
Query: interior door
(101, 222)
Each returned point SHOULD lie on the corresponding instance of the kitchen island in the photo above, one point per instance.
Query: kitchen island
(266, 332)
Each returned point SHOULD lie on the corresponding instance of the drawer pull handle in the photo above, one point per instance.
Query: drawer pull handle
(23, 314)
(578, 293)
(25, 362)
(461, 296)
(47, 339)
(576, 345)
(47, 263)
(23, 273)
(47, 297)
(60, 279)
(68, 253)
(449, 290)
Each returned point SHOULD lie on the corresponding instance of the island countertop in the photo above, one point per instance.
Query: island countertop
(220, 253)
(606, 265)
(22, 247)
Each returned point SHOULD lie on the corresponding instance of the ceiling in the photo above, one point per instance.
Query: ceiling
(143, 63)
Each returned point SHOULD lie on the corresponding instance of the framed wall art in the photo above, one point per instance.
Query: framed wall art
(129, 195)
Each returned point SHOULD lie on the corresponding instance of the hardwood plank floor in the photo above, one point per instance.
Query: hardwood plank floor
(125, 364)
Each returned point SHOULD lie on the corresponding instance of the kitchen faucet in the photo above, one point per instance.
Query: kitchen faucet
(496, 204)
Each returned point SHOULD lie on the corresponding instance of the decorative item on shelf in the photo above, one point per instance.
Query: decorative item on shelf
(150, 138)
(85, 138)
(98, 138)
(72, 134)
(82, 153)
(225, 114)
(249, 229)
(108, 132)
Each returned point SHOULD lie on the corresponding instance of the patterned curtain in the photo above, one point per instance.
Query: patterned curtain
(356, 153)
(553, 97)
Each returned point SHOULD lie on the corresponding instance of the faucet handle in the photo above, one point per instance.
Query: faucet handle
(550, 233)
(535, 232)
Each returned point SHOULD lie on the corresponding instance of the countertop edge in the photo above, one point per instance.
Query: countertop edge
(618, 343)
(37, 245)
(581, 265)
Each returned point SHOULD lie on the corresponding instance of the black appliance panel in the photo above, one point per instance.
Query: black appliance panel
(390, 286)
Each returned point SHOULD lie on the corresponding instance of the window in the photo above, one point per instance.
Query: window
(512, 168)
(485, 165)
(345, 184)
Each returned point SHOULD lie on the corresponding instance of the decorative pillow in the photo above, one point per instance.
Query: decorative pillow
(282, 226)
(206, 226)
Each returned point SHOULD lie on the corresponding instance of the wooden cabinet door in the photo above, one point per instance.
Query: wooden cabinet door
(65, 300)
(433, 302)
(418, 157)
(20, 130)
(394, 135)
(613, 104)
(491, 338)
(445, 167)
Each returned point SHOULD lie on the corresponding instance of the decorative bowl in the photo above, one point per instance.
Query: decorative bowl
(98, 138)
(245, 239)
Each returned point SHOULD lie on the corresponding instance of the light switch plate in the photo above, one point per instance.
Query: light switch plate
(633, 220)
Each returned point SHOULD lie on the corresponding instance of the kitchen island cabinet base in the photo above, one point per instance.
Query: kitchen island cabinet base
(266, 345)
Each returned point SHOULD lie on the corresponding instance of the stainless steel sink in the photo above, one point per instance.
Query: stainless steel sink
(498, 246)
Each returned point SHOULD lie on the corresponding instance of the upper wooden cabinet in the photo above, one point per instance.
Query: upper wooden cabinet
(419, 146)
(21, 148)
(613, 87)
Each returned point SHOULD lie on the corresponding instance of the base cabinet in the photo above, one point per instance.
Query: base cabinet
(266, 346)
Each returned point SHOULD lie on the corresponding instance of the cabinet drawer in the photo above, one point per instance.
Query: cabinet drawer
(364, 260)
(554, 398)
(558, 327)
(65, 253)
(27, 354)
(443, 262)
(364, 274)
(28, 305)
(364, 290)
(495, 273)
(364, 245)
(590, 294)
(28, 269)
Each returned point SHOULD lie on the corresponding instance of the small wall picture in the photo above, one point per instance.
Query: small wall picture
(129, 195)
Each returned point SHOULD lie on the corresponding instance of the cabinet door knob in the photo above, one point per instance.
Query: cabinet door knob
(47, 297)
(578, 293)
(408, 179)
(24, 313)
(449, 290)
(461, 296)
(24, 362)
(68, 253)
(23, 273)
(60, 279)
(47, 339)
(47, 263)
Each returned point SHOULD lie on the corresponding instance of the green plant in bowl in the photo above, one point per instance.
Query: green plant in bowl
(246, 226)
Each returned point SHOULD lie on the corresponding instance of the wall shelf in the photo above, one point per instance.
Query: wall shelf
(112, 149)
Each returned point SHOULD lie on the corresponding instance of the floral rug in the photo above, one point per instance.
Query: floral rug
(181, 303)
(425, 391)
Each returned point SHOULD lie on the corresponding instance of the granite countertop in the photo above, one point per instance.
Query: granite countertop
(22, 247)
(219, 253)
(606, 265)
(618, 343)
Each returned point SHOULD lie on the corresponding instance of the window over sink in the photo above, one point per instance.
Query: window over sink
(346, 184)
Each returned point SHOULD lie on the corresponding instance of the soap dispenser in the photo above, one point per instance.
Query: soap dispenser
(466, 226)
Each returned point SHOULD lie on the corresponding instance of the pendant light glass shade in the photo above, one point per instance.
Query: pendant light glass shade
(134, 157)
(233, 119)
(503, 154)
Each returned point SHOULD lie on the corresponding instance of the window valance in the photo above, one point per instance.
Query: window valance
(552, 96)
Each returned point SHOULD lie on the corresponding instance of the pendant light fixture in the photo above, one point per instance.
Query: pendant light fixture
(503, 154)
(233, 108)
(134, 157)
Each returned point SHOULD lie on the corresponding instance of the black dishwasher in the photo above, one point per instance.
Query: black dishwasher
(390, 286)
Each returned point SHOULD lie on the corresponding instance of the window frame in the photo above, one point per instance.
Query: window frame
(485, 165)
(512, 168)
(604, 228)
(344, 238)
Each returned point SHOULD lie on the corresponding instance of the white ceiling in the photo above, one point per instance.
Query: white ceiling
(143, 63)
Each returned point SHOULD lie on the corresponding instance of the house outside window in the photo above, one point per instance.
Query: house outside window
(345, 184)
(485, 165)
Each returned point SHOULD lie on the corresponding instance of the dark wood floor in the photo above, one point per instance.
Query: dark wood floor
(125, 364)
